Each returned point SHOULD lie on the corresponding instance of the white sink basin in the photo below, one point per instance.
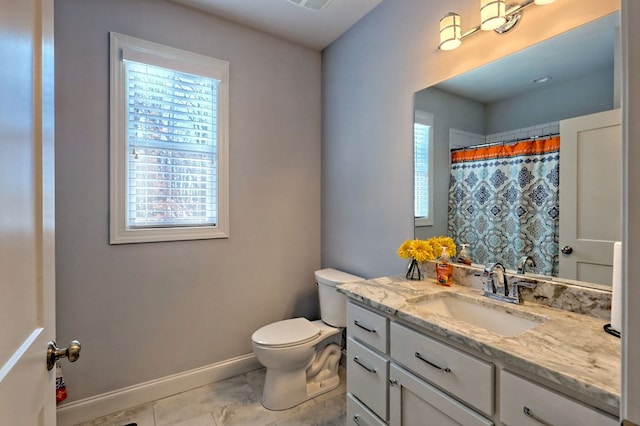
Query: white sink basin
(496, 321)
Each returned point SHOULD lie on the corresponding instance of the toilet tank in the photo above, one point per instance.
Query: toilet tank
(333, 305)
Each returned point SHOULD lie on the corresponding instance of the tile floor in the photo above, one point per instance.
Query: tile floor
(235, 401)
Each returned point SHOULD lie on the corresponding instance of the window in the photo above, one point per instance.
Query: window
(169, 146)
(423, 170)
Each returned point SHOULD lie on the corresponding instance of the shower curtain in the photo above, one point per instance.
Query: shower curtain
(503, 202)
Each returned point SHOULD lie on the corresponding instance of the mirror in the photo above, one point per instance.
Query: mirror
(500, 104)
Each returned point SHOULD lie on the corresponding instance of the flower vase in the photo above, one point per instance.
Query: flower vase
(414, 272)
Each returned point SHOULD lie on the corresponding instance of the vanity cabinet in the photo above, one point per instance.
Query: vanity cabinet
(524, 403)
(392, 370)
(399, 376)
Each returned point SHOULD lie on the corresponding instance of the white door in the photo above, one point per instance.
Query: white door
(590, 195)
(629, 400)
(27, 388)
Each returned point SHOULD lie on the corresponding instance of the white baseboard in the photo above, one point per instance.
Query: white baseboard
(132, 396)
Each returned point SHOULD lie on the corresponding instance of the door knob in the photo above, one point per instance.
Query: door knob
(54, 353)
(567, 250)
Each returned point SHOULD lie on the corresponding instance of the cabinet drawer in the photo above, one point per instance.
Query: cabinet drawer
(518, 395)
(463, 376)
(359, 415)
(412, 401)
(368, 327)
(367, 375)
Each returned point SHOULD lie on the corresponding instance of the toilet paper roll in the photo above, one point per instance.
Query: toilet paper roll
(616, 291)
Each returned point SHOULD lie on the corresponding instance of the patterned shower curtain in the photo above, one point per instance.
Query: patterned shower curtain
(503, 202)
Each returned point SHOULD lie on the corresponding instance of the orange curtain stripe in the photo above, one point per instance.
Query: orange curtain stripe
(539, 146)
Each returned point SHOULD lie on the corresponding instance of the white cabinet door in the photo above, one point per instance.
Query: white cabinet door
(27, 389)
(462, 375)
(590, 195)
(360, 415)
(368, 327)
(413, 402)
(523, 403)
(367, 375)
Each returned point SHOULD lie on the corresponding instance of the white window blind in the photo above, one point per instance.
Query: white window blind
(422, 137)
(172, 143)
(169, 143)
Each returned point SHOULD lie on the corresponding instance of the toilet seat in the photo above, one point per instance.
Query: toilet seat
(285, 333)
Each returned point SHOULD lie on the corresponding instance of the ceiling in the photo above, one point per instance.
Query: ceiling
(312, 28)
(568, 55)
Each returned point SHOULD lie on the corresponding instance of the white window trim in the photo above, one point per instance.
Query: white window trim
(426, 118)
(119, 234)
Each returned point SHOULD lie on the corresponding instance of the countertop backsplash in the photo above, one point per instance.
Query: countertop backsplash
(582, 300)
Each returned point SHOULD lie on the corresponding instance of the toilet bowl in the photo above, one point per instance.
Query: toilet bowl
(302, 356)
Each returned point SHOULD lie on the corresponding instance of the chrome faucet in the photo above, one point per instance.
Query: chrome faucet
(502, 291)
(523, 262)
(490, 287)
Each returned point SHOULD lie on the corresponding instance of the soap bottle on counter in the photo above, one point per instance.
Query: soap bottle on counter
(444, 268)
(463, 257)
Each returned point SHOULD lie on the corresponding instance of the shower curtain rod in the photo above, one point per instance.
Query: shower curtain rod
(507, 142)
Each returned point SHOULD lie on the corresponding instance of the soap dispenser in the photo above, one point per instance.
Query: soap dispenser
(463, 257)
(444, 268)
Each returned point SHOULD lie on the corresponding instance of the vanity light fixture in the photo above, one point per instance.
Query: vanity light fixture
(495, 15)
(492, 14)
(450, 31)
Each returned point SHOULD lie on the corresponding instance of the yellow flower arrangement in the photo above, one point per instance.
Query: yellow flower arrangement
(423, 250)
(419, 250)
(438, 242)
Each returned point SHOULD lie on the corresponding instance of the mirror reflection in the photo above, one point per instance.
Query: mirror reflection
(521, 157)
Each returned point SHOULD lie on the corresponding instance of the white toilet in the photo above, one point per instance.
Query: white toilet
(300, 357)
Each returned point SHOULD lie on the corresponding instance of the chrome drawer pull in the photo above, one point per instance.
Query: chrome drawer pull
(357, 420)
(357, 361)
(527, 412)
(444, 370)
(367, 329)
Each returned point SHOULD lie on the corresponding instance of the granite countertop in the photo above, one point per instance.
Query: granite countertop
(568, 349)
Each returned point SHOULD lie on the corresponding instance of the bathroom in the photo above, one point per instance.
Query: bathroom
(312, 183)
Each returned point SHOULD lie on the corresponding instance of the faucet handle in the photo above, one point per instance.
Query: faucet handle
(514, 292)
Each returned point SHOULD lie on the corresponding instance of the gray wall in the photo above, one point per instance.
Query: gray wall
(369, 77)
(586, 94)
(145, 311)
